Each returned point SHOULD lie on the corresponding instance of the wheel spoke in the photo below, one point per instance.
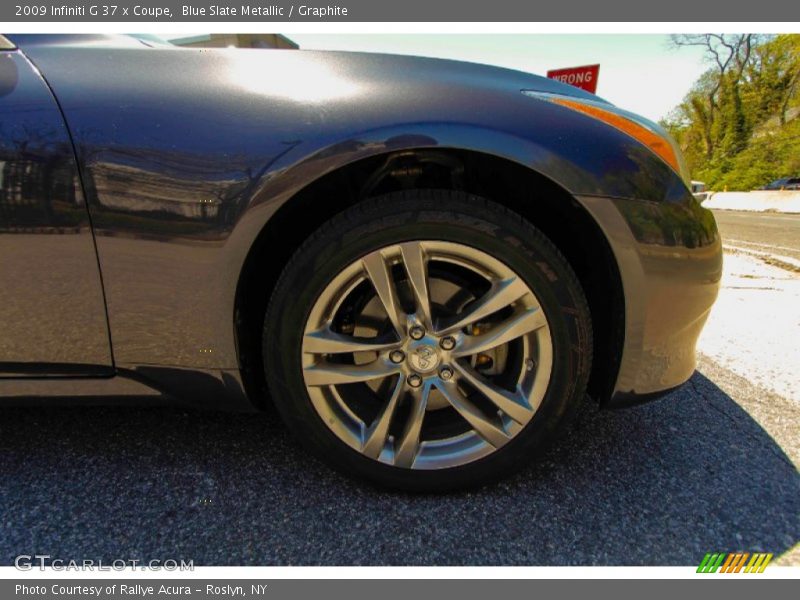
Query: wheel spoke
(408, 444)
(326, 341)
(416, 264)
(381, 277)
(501, 294)
(518, 324)
(482, 425)
(375, 438)
(514, 405)
(328, 373)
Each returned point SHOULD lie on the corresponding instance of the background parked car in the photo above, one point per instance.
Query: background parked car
(699, 190)
(787, 183)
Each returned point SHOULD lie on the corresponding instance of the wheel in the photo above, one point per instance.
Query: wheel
(427, 340)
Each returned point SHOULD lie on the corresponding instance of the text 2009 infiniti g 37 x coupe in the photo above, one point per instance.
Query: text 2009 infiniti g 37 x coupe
(424, 264)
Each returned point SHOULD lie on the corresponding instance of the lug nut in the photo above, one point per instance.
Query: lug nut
(414, 380)
(416, 332)
(447, 343)
(397, 356)
(446, 373)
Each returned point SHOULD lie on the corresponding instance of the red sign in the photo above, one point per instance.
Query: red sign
(582, 77)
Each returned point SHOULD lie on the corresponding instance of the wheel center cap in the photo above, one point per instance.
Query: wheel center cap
(424, 358)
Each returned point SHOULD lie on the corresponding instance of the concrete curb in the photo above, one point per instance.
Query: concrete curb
(757, 201)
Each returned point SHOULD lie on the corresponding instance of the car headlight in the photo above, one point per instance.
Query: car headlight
(642, 130)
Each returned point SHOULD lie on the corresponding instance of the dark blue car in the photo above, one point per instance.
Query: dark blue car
(425, 265)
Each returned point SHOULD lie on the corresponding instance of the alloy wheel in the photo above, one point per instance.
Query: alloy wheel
(426, 354)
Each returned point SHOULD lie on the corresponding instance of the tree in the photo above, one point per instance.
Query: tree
(730, 55)
(738, 126)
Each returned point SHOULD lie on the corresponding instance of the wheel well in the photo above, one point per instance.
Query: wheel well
(537, 198)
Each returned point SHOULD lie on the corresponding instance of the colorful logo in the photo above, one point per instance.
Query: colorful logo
(734, 562)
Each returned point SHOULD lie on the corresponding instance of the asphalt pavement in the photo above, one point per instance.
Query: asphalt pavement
(776, 233)
(711, 467)
(660, 484)
(754, 327)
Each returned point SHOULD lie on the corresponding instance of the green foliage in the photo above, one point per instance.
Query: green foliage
(739, 126)
(771, 156)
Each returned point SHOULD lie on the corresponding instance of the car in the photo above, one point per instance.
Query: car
(698, 189)
(425, 265)
(787, 183)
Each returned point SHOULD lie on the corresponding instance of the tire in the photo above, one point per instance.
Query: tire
(471, 248)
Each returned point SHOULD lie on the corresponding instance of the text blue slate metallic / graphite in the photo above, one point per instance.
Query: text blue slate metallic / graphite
(423, 264)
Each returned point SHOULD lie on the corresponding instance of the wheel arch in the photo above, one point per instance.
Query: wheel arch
(536, 197)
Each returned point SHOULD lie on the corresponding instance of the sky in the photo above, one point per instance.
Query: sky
(641, 73)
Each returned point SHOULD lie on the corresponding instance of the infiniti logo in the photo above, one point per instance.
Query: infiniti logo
(424, 358)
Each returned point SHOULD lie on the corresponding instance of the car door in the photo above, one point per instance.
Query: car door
(52, 311)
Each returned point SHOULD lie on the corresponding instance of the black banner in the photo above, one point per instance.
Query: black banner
(33, 11)
(400, 589)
